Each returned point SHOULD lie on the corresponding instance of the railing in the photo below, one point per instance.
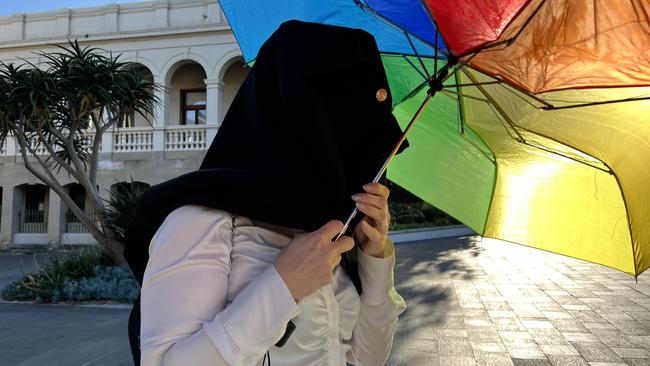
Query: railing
(133, 139)
(74, 225)
(137, 139)
(32, 221)
(185, 138)
(10, 147)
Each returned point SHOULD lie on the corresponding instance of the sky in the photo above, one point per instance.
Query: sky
(8, 7)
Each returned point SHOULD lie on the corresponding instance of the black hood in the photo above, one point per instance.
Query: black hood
(310, 125)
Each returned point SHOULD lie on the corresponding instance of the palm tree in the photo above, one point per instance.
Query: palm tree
(64, 108)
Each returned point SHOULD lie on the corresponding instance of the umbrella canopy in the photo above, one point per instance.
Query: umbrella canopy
(539, 131)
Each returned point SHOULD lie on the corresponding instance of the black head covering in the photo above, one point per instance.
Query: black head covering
(306, 130)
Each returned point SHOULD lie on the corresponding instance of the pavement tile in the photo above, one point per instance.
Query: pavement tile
(576, 307)
(537, 324)
(530, 362)
(615, 316)
(484, 335)
(587, 316)
(497, 306)
(563, 360)
(632, 353)
(478, 322)
(557, 293)
(493, 359)
(446, 360)
(569, 325)
(636, 361)
(414, 358)
(632, 327)
(454, 346)
(640, 315)
(548, 336)
(643, 340)
(599, 326)
(452, 322)
(451, 332)
(632, 308)
(475, 313)
(493, 347)
(596, 352)
(613, 338)
(493, 299)
(525, 353)
(502, 314)
(514, 335)
(508, 324)
(557, 315)
(558, 349)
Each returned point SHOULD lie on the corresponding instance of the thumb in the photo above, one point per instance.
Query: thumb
(330, 230)
(343, 244)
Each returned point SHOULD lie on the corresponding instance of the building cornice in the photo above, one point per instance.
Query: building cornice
(111, 21)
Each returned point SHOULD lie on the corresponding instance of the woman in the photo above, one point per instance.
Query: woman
(243, 246)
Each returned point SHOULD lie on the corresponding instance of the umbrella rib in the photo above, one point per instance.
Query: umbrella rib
(462, 124)
(364, 6)
(415, 67)
(497, 106)
(503, 117)
(509, 41)
(550, 108)
(417, 54)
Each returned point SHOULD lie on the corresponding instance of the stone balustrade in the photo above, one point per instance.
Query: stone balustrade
(138, 139)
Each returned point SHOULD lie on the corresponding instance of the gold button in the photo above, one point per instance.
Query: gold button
(381, 95)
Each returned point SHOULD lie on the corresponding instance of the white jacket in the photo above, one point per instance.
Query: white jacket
(205, 301)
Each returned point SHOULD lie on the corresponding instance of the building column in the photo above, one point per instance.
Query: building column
(54, 219)
(213, 95)
(7, 223)
(162, 92)
(214, 91)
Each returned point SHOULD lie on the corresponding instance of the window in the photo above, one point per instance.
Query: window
(34, 204)
(193, 104)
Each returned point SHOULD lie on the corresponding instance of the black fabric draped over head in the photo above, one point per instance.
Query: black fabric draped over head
(308, 128)
(310, 125)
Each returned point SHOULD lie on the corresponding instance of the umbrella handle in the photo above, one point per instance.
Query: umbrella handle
(388, 159)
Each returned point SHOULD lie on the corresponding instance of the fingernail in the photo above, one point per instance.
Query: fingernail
(355, 197)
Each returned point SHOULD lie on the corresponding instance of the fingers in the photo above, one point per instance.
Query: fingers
(330, 229)
(371, 199)
(372, 233)
(377, 189)
(343, 244)
(334, 260)
(380, 216)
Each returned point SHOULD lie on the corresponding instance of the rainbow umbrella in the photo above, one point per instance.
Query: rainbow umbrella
(539, 131)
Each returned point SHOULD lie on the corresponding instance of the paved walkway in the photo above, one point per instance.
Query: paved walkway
(470, 302)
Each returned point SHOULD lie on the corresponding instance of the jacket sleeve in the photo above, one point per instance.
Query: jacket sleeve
(372, 337)
(185, 319)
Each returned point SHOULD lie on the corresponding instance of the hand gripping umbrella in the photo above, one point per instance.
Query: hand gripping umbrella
(539, 130)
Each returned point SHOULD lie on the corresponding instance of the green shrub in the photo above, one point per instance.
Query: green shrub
(408, 215)
(113, 283)
(76, 272)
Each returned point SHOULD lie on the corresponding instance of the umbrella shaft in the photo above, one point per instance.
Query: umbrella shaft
(388, 160)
